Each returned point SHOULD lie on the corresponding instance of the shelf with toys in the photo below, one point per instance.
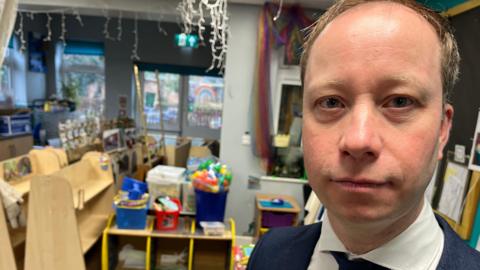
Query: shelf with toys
(171, 239)
(204, 251)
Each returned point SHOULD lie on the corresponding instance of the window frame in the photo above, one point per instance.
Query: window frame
(178, 127)
(10, 63)
(65, 68)
(183, 128)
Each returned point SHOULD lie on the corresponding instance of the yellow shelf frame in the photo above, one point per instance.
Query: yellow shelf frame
(149, 234)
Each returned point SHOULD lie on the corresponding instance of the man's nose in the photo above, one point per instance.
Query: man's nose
(361, 138)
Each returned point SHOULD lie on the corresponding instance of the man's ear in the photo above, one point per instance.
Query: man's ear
(446, 124)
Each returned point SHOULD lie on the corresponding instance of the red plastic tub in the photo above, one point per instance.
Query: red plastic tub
(168, 220)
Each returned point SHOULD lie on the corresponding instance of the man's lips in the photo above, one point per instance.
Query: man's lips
(360, 183)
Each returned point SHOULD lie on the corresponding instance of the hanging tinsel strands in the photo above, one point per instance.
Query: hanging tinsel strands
(31, 16)
(134, 55)
(192, 14)
(78, 17)
(64, 30)
(20, 34)
(159, 26)
(106, 32)
(49, 28)
(119, 26)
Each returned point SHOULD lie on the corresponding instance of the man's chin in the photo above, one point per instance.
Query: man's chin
(359, 215)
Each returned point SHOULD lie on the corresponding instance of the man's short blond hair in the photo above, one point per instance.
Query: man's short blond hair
(450, 57)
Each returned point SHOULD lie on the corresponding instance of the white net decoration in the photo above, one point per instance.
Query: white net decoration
(192, 14)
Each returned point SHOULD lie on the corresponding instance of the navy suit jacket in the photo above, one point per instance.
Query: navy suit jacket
(292, 248)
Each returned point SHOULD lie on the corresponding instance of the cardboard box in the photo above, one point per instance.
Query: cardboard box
(204, 150)
(199, 151)
(177, 155)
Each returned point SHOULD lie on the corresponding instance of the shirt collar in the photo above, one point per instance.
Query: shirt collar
(423, 236)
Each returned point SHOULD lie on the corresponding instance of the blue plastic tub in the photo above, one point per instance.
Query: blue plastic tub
(131, 218)
(210, 206)
(130, 183)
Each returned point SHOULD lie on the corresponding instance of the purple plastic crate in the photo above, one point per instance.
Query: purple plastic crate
(277, 219)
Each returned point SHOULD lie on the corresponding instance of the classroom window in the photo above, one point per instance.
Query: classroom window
(169, 100)
(6, 90)
(83, 77)
(205, 101)
(191, 103)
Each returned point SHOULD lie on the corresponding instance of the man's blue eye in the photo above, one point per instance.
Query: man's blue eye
(331, 103)
(400, 102)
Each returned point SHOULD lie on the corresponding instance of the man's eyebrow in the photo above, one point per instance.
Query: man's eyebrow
(328, 84)
(399, 80)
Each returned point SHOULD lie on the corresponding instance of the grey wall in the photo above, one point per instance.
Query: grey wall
(153, 47)
(466, 95)
(239, 76)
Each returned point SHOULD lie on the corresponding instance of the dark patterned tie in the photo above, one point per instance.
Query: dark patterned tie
(358, 264)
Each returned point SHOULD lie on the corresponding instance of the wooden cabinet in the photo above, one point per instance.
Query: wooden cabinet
(14, 146)
(268, 215)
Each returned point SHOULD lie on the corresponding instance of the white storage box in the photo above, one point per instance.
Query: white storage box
(213, 227)
(165, 181)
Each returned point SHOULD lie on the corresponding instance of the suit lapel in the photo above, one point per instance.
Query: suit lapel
(297, 255)
(451, 244)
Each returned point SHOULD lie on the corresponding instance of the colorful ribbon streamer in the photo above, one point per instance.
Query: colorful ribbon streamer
(284, 31)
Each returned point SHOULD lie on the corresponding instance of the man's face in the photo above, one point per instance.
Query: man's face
(373, 119)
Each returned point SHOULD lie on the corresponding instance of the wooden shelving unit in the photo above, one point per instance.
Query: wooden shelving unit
(42, 162)
(204, 252)
(6, 253)
(68, 212)
(260, 229)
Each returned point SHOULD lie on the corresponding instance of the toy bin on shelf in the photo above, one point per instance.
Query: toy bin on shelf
(165, 181)
(15, 124)
(272, 219)
(131, 218)
(210, 206)
(167, 220)
(130, 183)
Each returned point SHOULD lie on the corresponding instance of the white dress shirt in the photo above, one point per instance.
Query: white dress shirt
(419, 247)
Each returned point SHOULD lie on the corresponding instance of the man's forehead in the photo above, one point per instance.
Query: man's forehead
(377, 16)
(378, 38)
(373, 28)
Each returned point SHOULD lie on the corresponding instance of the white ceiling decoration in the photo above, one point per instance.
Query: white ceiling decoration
(145, 9)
